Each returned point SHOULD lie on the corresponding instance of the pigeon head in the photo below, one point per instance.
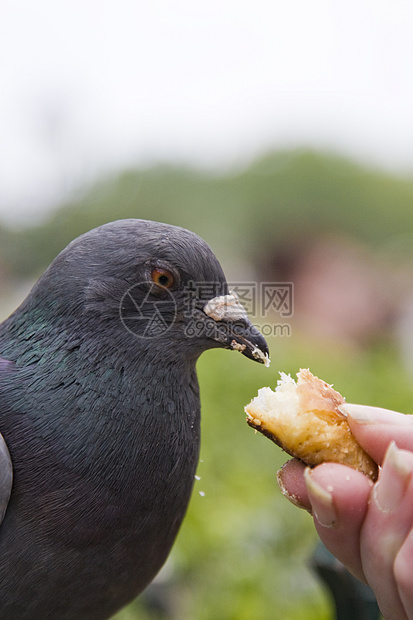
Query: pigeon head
(143, 281)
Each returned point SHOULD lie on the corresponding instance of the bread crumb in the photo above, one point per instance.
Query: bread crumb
(237, 346)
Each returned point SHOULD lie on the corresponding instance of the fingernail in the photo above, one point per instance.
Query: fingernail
(290, 496)
(321, 501)
(390, 489)
(366, 414)
(359, 413)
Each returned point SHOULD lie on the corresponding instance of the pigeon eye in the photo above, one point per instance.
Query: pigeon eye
(162, 277)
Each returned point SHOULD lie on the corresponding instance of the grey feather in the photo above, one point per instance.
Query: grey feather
(6, 477)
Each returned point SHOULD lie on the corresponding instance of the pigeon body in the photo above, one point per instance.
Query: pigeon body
(100, 416)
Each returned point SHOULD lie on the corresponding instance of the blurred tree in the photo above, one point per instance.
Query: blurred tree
(277, 206)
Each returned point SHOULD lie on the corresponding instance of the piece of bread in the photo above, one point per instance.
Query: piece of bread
(303, 418)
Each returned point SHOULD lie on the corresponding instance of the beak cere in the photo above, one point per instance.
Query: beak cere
(226, 307)
(235, 330)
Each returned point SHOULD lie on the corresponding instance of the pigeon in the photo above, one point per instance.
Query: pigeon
(100, 415)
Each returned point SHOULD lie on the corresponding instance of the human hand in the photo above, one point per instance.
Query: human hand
(369, 528)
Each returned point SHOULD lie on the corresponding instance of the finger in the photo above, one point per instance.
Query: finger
(374, 429)
(387, 524)
(403, 573)
(339, 496)
(292, 484)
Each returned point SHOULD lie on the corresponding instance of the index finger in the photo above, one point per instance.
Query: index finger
(375, 428)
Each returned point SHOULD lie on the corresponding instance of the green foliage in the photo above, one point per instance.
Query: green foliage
(283, 198)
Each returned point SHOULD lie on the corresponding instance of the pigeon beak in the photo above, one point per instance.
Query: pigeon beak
(234, 329)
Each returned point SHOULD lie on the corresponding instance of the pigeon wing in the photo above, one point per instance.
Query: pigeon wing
(6, 467)
(6, 477)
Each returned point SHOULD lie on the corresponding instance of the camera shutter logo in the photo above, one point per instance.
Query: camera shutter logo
(143, 314)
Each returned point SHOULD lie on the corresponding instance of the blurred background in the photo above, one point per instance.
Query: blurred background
(282, 133)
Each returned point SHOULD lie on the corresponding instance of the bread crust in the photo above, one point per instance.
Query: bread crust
(304, 419)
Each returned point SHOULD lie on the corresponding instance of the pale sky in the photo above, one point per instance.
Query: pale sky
(88, 86)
